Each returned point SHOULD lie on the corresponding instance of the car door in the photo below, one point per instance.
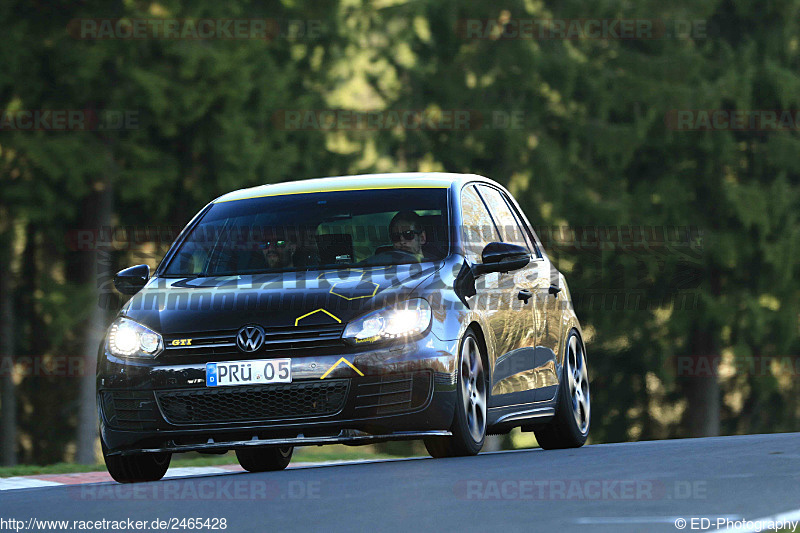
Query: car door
(547, 358)
(522, 326)
(492, 301)
(549, 311)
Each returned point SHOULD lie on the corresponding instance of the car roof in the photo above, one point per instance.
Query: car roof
(398, 180)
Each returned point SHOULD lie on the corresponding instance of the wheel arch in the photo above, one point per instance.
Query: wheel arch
(475, 327)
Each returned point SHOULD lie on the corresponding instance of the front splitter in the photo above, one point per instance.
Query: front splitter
(349, 437)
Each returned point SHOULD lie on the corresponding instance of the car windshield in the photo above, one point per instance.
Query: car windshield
(338, 229)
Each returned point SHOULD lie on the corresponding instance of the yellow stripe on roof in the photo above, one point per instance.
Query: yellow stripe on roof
(341, 189)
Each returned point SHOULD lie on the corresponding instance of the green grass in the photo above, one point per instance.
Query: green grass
(55, 468)
(310, 454)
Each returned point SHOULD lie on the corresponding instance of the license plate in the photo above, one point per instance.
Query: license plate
(228, 373)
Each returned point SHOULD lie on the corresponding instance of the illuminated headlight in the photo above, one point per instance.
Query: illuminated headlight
(127, 338)
(410, 318)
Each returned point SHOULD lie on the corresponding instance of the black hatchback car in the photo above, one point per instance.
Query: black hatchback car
(349, 310)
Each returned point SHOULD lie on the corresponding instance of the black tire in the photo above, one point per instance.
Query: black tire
(574, 402)
(137, 468)
(469, 420)
(265, 459)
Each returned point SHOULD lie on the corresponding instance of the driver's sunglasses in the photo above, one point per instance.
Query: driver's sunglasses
(407, 235)
(277, 244)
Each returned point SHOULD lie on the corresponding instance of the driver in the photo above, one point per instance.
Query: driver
(407, 234)
(279, 251)
(290, 248)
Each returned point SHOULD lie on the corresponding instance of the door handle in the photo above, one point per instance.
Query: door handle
(554, 290)
(524, 295)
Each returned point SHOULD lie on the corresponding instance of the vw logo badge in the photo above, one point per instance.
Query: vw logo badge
(250, 338)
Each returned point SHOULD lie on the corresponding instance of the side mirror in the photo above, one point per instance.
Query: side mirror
(502, 257)
(131, 280)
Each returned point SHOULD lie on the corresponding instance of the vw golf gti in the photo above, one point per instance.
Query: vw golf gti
(351, 310)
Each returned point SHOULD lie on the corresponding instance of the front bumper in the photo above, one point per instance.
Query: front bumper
(148, 406)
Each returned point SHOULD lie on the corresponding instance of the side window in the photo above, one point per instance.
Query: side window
(530, 235)
(509, 226)
(479, 229)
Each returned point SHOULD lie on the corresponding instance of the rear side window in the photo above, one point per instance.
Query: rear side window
(479, 228)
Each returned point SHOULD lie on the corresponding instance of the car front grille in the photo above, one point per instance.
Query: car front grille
(253, 402)
(133, 410)
(223, 343)
(393, 393)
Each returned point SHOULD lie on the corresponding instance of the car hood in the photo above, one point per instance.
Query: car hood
(183, 305)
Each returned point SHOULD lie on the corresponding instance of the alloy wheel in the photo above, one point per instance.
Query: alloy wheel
(578, 378)
(473, 388)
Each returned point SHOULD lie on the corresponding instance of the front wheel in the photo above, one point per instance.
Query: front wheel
(570, 425)
(265, 459)
(469, 421)
(137, 468)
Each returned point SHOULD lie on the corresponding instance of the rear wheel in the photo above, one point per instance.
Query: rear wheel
(265, 459)
(469, 421)
(137, 468)
(570, 425)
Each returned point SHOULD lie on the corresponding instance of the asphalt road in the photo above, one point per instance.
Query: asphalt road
(644, 486)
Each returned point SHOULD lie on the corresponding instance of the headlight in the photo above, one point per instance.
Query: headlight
(127, 338)
(410, 318)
